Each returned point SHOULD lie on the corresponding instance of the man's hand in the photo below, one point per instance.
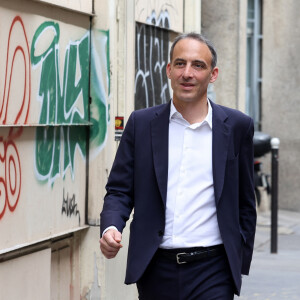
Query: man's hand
(110, 243)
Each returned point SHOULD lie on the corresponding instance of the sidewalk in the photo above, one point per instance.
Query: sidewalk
(275, 276)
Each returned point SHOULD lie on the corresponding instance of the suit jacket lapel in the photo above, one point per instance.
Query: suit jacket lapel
(220, 141)
(160, 143)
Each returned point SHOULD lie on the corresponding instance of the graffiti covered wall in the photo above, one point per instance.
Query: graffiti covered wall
(148, 12)
(154, 26)
(151, 81)
(51, 91)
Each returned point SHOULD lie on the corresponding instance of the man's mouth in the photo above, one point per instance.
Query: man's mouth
(187, 85)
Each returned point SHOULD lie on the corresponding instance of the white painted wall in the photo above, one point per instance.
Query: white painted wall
(83, 6)
(26, 277)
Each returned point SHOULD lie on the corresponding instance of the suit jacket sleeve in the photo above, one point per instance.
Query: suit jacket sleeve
(118, 201)
(247, 199)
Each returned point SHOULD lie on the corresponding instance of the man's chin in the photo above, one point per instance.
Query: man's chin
(188, 99)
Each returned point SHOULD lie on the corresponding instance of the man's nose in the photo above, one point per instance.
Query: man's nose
(187, 72)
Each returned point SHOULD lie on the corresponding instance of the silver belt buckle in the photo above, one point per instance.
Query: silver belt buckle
(177, 258)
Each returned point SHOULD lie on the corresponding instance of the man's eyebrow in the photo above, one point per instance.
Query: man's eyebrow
(198, 61)
(179, 59)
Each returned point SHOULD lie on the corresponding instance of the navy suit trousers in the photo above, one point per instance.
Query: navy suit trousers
(205, 279)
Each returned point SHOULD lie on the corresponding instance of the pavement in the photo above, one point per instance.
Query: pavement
(274, 276)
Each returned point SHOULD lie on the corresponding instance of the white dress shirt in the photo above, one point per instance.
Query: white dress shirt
(191, 219)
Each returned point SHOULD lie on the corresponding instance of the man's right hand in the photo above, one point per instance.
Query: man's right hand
(110, 243)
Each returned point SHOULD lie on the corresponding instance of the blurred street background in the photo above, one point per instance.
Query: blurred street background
(275, 276)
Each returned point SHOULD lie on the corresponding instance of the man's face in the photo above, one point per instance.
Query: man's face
(190, 70)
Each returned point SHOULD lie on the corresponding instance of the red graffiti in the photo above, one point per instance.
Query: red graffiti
(12, 114)
(10, 184)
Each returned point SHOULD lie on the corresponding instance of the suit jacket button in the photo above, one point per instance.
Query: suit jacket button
(160, 233)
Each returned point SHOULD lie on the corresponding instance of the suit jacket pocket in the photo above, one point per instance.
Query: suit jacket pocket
(232, 165)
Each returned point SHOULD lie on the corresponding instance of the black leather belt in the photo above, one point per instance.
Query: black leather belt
(186, 255)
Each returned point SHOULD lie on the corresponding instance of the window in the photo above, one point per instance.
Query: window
(254, 50)
(152, 51)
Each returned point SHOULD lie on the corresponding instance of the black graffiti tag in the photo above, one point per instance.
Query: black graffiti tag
(69, 206)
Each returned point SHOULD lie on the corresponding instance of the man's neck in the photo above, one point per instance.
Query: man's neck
(193, 112)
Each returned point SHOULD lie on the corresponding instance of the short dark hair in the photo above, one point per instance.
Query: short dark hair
(198, 37)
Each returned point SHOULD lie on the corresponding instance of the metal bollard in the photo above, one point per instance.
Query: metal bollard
(274, 194)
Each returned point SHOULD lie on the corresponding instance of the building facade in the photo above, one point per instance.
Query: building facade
(258, 45)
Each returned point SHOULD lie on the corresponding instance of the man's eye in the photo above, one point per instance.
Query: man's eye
(179, 64)
(199, 66)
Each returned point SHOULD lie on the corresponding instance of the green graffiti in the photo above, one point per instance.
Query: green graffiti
(100, 83)
(65, 105)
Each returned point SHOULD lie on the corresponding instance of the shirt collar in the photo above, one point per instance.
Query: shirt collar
(175, 114)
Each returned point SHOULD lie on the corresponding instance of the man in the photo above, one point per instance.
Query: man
(186, 168)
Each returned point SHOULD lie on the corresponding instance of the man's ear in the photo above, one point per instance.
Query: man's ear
(168, 70)
(214, 74)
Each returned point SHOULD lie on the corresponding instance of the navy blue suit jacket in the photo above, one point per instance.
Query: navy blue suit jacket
(139, 176)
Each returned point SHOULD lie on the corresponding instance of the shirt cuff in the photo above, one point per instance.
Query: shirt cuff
(109, 227)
